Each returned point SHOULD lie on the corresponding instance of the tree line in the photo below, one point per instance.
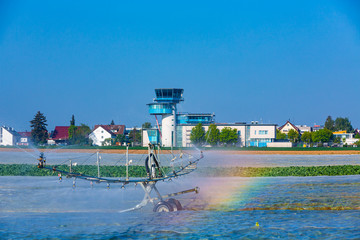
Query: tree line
(323, 135)
(227, 136)
(78, 135)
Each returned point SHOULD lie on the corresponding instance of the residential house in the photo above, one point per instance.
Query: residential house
(346, 138)
(304, 128)
(8, 136)
(102, 132)
(24, 138)
(287, 127)
(59, 136)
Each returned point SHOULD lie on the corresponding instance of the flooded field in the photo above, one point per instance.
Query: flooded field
(283, 207)
(257, 207)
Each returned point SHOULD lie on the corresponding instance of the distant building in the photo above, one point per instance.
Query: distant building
(59, 136)
(346, 138)
(8, 136)
(102, 132)
(287, 127)
(175, 128)
(24, 138)
(317, 127)
(304, 128)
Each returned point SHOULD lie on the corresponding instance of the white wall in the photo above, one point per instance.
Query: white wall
(255, 131)
(99, 135)
(168, 127)
(145, 138)
(280, 144)
(287, 128)
(8, 139)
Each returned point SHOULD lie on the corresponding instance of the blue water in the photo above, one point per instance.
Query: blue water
(284, 207)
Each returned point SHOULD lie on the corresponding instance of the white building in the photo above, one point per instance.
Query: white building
(250, 135)
(24, 138)
(102, 132)
(346, 138)
(304, 128)
(8, 136)
(287, 127)
(175, 127)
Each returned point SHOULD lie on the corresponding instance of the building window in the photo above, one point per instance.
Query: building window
(263, 132)
(239, 133)
(255, 132)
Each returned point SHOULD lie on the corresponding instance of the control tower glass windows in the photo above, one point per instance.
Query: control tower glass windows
(173, 95)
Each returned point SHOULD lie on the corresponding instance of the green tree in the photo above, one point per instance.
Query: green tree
(112, 122)
(71, 131)
(108, 142)
(357, 135)
(197, 136)
(72, 121)
(146, 125)
(322, 135)
(329, 124)
(120, 138)
(80, 135)
(39, 133)
(293, 135)
(135, 136)
(228, 136)
(357, 143)
(337, 140)
(212, 136)
(280, 135)
(306, 137)
(343, 124)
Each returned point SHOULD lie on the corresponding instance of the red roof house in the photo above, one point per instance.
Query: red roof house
(60, 133)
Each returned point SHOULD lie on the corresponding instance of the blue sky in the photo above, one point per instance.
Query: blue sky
(268, 61)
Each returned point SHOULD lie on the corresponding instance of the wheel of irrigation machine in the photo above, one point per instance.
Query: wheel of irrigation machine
(163, 207)
(175, 204)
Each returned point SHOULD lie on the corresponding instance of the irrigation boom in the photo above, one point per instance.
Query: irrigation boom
(155, 173)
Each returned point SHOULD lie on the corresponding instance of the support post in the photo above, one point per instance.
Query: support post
(98, 163)
(127, 162)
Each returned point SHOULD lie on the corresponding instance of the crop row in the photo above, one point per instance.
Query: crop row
(139, 171)
(299, 171)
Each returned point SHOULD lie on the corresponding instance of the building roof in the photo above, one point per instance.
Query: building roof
(25, 134)
(60, 133)
(112, 129)
(288, 122)
(340, 132)
(10, 130)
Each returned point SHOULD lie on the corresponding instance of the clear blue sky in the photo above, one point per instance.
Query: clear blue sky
(242, 60)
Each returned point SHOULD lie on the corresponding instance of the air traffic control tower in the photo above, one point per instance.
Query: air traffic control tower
(165, 105)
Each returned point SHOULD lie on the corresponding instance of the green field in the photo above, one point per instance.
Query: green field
(139, 171)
